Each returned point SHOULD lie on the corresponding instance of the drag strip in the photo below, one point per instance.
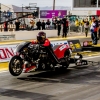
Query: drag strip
(73, 84)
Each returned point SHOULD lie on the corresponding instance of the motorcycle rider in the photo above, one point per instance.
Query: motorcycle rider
(44, 42)
(41, 39)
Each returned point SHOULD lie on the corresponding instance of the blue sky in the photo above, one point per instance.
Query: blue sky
(39, 2)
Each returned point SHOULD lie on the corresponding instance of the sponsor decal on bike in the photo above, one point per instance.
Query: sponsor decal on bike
(63, 47)
(53, 43)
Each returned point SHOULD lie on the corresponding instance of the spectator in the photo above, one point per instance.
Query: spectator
(48, 24)
(43, 25)
(54, 22)
(65, 27)
(90, 22)
(82, 25)
(5, 26)
(59, 26)
(32, 23)
(11, 26)
(94, 29)
(86, 26)
(17, 25)
(77, 25)
(38, 24)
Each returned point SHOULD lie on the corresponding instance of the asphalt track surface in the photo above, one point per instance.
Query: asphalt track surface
(75, 83)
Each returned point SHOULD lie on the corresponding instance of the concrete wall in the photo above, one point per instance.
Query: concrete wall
(25, 35)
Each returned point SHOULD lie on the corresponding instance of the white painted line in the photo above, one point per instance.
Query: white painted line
(3, 71)
(91, 57)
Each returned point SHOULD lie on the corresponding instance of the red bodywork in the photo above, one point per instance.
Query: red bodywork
(60, 50)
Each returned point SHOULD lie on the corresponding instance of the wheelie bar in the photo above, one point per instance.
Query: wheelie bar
(84, 62)
(74, 60)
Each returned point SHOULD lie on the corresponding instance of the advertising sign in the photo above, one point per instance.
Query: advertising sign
(53, 13)
(7, 37)
(87, 43)
(7, 52)
(75, 45)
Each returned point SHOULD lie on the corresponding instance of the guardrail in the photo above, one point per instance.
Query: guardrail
(25, 35)
(11, 27)
(79, 29)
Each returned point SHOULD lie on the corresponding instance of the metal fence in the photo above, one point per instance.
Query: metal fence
(72, 28)
(25, 24)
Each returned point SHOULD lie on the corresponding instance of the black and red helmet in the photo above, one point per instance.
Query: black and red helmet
(41, 36)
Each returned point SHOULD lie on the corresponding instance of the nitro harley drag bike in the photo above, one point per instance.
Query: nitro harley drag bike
(34, 57)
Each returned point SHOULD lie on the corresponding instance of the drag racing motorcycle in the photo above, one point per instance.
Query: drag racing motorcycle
(34, 57)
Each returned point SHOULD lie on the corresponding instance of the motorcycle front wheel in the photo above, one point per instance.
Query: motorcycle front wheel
(15, 66)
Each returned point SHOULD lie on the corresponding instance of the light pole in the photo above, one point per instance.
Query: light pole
(53, 4)
(97, 3)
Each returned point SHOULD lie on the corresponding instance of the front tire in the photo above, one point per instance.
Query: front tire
(15, 66)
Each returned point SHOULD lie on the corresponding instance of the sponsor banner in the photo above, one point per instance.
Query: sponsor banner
(7, 37)
(53, 13)
(75, 45)
(87, 43)
(7, 51)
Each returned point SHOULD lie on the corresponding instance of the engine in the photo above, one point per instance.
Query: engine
(38, 53)
(35, 55)
(43, 55)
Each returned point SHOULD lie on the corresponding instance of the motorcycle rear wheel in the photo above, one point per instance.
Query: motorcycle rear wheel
(15, 66)
(67, 59)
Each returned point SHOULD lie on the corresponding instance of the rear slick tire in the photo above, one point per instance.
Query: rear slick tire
(15, 66)
(67, 58)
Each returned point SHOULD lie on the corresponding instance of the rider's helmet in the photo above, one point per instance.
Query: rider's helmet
(41, 37)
